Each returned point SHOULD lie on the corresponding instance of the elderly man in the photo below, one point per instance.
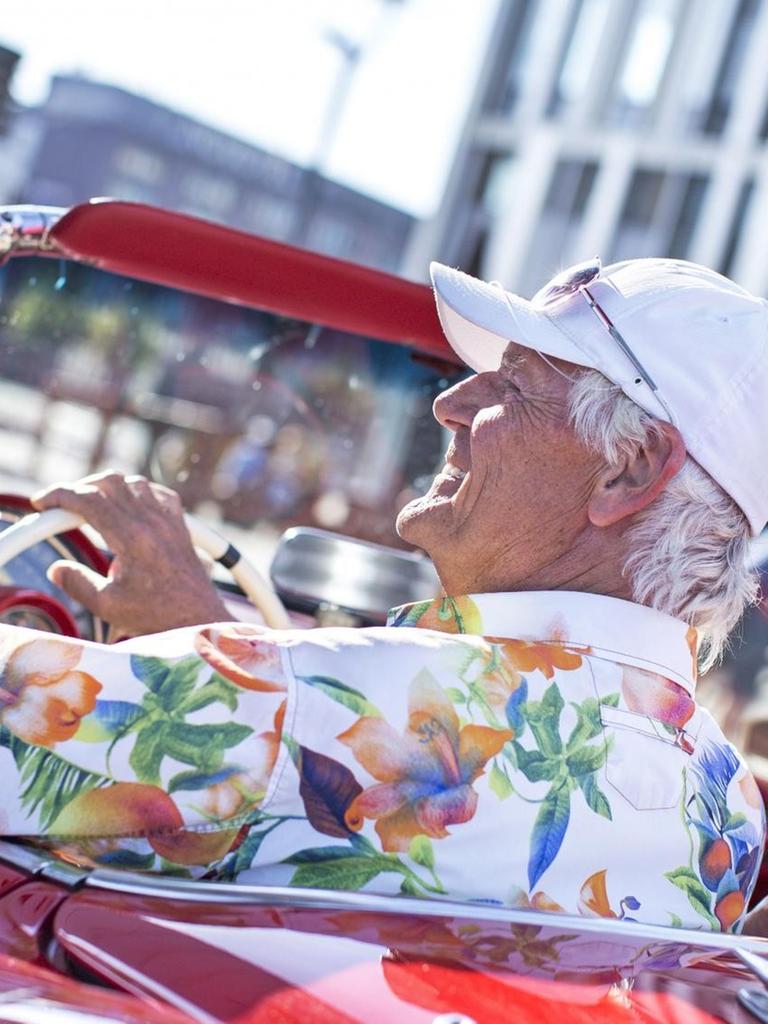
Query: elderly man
(532, 738)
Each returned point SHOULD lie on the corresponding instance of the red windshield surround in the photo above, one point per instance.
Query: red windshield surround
(209, 259)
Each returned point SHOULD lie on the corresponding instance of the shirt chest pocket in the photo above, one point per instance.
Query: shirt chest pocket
(645, 758)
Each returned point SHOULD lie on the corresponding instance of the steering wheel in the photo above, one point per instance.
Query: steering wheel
(40, 526)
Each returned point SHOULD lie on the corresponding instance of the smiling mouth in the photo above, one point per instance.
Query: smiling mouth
(453, 471)
(449, 480)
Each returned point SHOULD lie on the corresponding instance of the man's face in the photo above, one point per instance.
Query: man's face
(512, 496)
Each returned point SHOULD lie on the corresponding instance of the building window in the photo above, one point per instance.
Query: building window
(140, 164)
(130, 189)
(563, 211)
(496, 182)
(271, 215)
(511, 74)
(330, 235)
(718, 109)
(659, 215)
(208, 192)
(644, 62)
(736, 229)
(578, 54)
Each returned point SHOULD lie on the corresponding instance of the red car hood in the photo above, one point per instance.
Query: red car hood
(331, 959)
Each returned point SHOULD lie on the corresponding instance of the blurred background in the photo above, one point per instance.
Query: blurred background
(508, 137)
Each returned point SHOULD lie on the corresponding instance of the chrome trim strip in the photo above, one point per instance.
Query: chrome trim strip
(216, 893)
(25, 230)
(22, 857)
(754, 963)
(756, 1001)
(41, 864)
(58, 871)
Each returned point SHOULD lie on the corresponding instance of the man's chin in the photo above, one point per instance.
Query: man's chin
(418, 522)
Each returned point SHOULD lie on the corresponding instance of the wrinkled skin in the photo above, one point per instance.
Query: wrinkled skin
(156, 581)
(536, 509)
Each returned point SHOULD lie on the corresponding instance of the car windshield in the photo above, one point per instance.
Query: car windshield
(259, 421)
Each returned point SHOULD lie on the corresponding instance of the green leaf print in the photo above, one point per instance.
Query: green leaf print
(293, 748)
(48, 782)
(409, 888)
(455, 695)
(410, 615)
(216, 689)
(535, 766)
(203, 745)
(421, 852)
(544, 719)
(195, 781)
(128, 860)
(110, 719)
(171, 682)
(596, 799)
(344, 873)
(698, 895)
(588, 724)
(586, 760)
(343, 694)
(148, 752)
(499, 783)
(319, 854)
(552, 703)
(735, 821)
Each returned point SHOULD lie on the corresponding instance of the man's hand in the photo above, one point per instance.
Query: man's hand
(156, 580)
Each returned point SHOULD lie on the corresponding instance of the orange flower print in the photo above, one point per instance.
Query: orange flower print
(649, 694)
(593, 899)
(42, 696)
(539, 901)
(546, 657)
(425, 777)
(138, 809)
(238, 791)
(243, 655)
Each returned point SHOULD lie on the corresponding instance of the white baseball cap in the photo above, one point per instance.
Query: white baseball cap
(682, 341)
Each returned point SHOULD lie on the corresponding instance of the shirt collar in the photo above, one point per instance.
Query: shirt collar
(616, 630)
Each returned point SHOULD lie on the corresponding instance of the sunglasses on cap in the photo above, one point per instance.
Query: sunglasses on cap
(577, 280)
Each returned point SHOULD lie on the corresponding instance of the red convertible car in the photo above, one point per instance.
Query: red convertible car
(256, 379)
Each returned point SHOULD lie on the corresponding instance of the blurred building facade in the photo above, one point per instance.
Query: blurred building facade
(8, 62)
(18, 132)
(91, 139)
(620, 127)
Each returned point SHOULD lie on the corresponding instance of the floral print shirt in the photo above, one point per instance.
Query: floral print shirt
(542, 750)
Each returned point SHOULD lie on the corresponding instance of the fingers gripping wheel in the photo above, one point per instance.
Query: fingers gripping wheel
(41, 525)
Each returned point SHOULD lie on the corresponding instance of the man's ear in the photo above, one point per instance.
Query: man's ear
(630, 486)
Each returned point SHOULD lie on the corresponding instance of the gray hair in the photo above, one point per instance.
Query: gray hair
(688, 550)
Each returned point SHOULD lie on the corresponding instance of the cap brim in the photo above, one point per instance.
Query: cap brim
(479, 320)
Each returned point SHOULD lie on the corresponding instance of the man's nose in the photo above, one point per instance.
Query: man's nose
(457, 406)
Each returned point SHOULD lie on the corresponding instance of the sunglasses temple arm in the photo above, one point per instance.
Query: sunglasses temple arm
(614, 333)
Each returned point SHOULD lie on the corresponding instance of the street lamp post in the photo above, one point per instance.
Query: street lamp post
(351, 53)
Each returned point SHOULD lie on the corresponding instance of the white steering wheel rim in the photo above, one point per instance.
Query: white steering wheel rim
(40, 526)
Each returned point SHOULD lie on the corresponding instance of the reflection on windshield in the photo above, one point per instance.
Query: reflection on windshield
(256, 419)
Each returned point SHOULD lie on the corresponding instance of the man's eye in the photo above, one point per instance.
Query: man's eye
(513, 384)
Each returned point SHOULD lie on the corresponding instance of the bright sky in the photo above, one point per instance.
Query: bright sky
(264, 70)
